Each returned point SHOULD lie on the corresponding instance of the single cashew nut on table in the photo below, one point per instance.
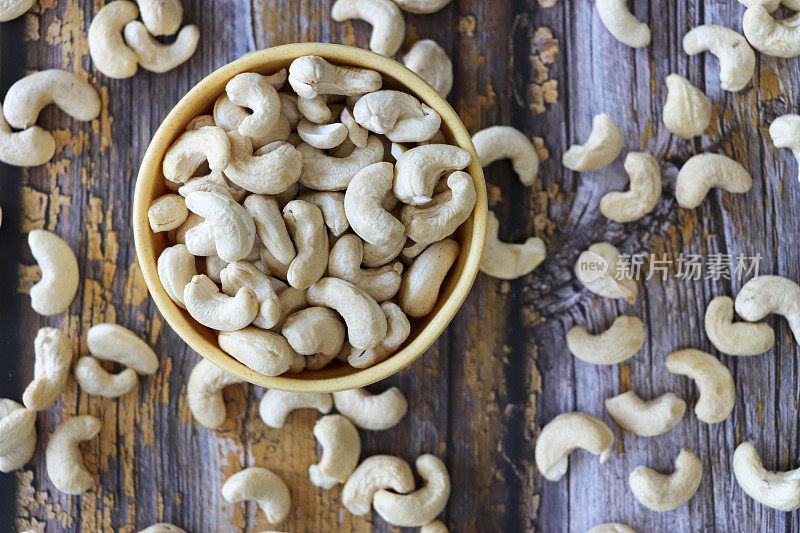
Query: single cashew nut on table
(446, 211)
(770, 294)
(374, 412)
(645, 190)
(341, 448)
(778, 490)
(307, 228)
(646, 418)
(214, 309)
(63, 457)
(717, 392)
(375, 473)
(424, 504)
(311, 76)
(601, 148)
(363, 205)
(162, 528)
(161, 17)
(28, 148)
(735, 338)
(316, 333)
(204, 393)
(419, 169)
(53, 354)
(262, 486)
(565, 433)
(506, 260)
(505, 142)
(611, 527)
(397, 115)
(621, 23)
(17, 435)
(53, 293)
(11, 9)
(233, 227)
(70, 92)
(327, 173)
(704, 171)
(192, 148)
(344, 262)
(432, 64)
(97, 381)
(777, 38)
(167, 213)
(157, 57)
(599, 270)
(244, 274)
(737, 61)
(687, 111)
(176, 268)
(419, 290)
(667, 492)
(110, 54)
(116, 343)
(388, 23)
(276, 405)
(785, 133)
(265, 352)
(271, 169)
(616, 344)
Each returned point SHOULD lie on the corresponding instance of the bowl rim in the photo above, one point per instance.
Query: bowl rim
(174, 123)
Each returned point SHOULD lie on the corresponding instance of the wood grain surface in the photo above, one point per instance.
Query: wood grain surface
(501, 370)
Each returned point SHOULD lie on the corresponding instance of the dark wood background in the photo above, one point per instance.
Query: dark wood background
(501, 370)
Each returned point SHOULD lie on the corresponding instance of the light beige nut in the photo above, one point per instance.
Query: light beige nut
(785, 133)
(322, 136)
(276, 405)
(356, 133)
(63, 456)
(397, 150)
(204, 393)
(704, 171)
(344, 263)
(399, 328)
(341, 448)
(332, 206)
(643, 194)
(162, 527)
(53, 357)
(315, 109)
(311, 76)
(687, 111)
(388, 23)
(735, 338)
(778, 490)
(737, 62)
(326, 173)
(363, 205)
(272, 169)
(262, 486)
(107, 47)
(777, 38)
(292, 300)
(11, 9)
(116, 343)
(565, 433)
(646, 418)
(200, 121)
(717, 392)
(366, 322)
(601, 148)
(262, 351)
(419, 290)
(420, 168)
(53, 293)
(611, 527)
(397, 115)
(375, 473)
(436, 526)
(375, 256)
(233, 227)
(194, 147)
(17, 435)
(440, 217)
(621, 23)
(413, 249)
(28, 148)
(290, 109)
(505, 142)
(506, 260)
(422, 6)
(244, 274)
(97, 381)
(769, 5)
(599, 270)
(374, 412)
(770, 294)
(167, 212)
(214, 267)
(273, 266)
(271, 227)
(255, 92)
(667, 492)
(176, 268)
(67, 90)
(216, 310)
(154, 56)
(616, 344)
(161, 17)
(307, 228)
(316, 333)
(213, 182)
(424, 504)
(432, 64)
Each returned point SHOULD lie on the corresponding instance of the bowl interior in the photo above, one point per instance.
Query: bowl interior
(200, 100)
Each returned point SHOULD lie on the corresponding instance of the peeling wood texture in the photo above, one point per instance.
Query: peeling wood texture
(501, 371)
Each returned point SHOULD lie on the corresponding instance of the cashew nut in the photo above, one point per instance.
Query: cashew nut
(735, 338)
(398, 115)
(375, 473)
(271, 227)
(162, 527)
(616, 344)
(271, 169)
(646, 418)
(667, 492)
(157, 57)
(54, 292)
(17, 435)
(53, 354)
(265, 352)
(244, 274)
(115, 343)
(315, 109)
(315, 332)
(432, 64)
(107, 47)
(778, 38)
(308, 232)
(419, 290)
(419, 169)
(213, 182)
(233, 227)
(185, 156)
(341, 447)
(363, 205)
(97, 381)
(374, 412)
(356, 133)
(399, 328)
(785, 133)
(216, 310)
(509, 261)
(161, 17)
(311, 76)
(388, 23)
(621, 23)
(770, 294)
(505, 142)
(424, 504)
(276, 405)
(611, 527)
(375, 256)
(366, 323)
(11, 9)
(717, 393)
(262, 486)
(167, 212)
(422, 6)
(643, 194)
(214, 267)
(599, 270)
(176, 268)
(71, 93)
(565, 433)
(332, 206)
(322, 136)
(778, 490)
(326, 173)
(28, 148)
(737, 62)
(687, 111)
(440, 217)
(63, 456)
(204, 393)
(344, 263)
(601, 148)
(255, 92)
(704, 171)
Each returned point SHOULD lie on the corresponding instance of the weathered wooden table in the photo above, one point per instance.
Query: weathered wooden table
(501, 370)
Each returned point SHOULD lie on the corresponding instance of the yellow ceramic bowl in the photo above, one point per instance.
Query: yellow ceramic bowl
(337, 376)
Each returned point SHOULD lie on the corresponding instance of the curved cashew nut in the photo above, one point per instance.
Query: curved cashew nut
(183, 158)
(161, 17)
(419, 290)
(308, 232)
(344, 263)
(53, 353)
(214, 267)
(315, 332)
(616, 344)
(233, 227)
(509, 261)
(115, 343)
(162, 527)
(213, 182)
(599, 270)
(71, 93)
(176, 268)
(778, 490)
(398, 115)
(687, 111)
(332, 206)
(244, 274)
(276, 405)
(785, 133)
(424, 504)
(326, 173)
(432, 64)
(356, 133)
(255, 92)
(17, 435)
(341, 447)
(366, 323)
(204, 393)
(622, 24)
(704, 171)
(446, 211)
(601, 148)
(28, 148)
(611, 527)
(265, 352)
(737, 61)
(216, 310)
(167, 212)
(374, 412)
(505, 142)
(311, 76)
(272, 169)
(565, 433)
(200, 121)
(646, 418)
(717, 393)
(322, 136)
(375, 473)
(157, 57)
(262, 486)
(54, 292)
(107, 47)
(97, 381)
(770, 294)
(63, 457)
(363, 205)
(398, 331)
(667, 492)
(11, 9)
(271, 227)
(777, 38)
(315, 109)
(645, 190)
(735, 338)
(388, 23)
(419, 169)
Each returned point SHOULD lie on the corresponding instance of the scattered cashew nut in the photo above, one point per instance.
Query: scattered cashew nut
(646, 418)
(616, 344)
(28, 148)
(565, 433)
(704, 171)
(505, 142)
(262, 486)
(17, 435)
(424, 504)
(737, 61)
(161, 17)
(388, 23)
(778, 490)
(506, 260)
(599, 270)
(374, 412)
(53, 354)
(116, 343)
(204, 393)
(432, 64)
(63, 457)
(785, 133)
(97, 381)
(54, 292)
(621, 23)
(111, 55)
(735, 338)
(11, 9)
(770, 294)
(375, 473)
(687, 111)
(67, 90)
(157, 57)
(341, 448)
(667, 492)
(276, 405)
(717, 393)
(645, 190)
(601, 148)
(778, 38)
